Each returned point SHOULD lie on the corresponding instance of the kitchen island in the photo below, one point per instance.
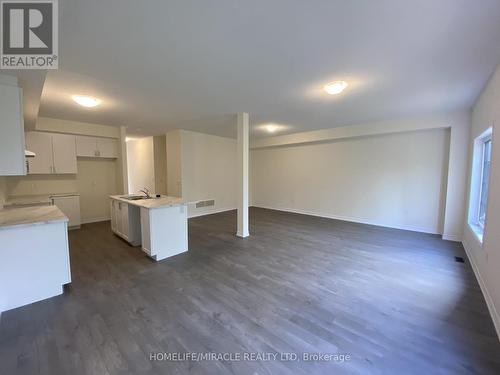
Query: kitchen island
(159, 225)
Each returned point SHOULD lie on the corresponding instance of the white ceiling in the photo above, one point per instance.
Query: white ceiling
(160, 65)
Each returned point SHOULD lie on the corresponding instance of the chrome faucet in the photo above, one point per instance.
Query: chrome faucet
(146, 192)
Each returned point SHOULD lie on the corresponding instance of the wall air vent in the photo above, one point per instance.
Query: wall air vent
(206, 203)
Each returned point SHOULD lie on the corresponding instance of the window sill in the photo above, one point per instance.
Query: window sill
(478, 232)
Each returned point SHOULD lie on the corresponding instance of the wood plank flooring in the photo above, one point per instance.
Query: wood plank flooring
(396, 302)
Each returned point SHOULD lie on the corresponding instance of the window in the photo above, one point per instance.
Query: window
(479, 183)
(485, 177)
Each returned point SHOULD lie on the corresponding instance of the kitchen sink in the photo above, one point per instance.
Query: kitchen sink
(136, 197)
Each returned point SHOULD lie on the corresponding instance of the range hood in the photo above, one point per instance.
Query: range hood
(29, 154)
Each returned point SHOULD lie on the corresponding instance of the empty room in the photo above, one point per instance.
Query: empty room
(249, 187)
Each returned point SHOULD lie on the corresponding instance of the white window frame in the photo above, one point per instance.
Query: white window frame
(483, 146)
(477, 227)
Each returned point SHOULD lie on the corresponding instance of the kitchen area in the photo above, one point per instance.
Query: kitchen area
(57, 175)
(56, 167)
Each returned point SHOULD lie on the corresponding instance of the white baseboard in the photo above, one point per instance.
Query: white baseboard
(210, 212)
(351, 219)
(487, 296)
(452, 237)
(242, 235)
(96, 219)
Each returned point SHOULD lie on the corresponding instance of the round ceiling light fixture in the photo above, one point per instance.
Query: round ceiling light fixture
(334, 88)
(271, 128)
(86, 101)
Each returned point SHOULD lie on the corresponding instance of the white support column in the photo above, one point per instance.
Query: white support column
(243, 158)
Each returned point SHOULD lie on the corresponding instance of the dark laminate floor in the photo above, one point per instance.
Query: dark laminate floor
(395, 301)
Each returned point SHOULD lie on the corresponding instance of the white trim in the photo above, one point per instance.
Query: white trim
(211, 212)
(351, 219)
(495, 316)
(477, 231)
(96, 219)
(475, 187)
(452, 237)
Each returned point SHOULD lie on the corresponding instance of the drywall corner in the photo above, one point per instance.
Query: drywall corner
(174, 163)
(160, 163)
(3, 190)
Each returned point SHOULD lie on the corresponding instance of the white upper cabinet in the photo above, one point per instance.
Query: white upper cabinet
(55, 153)
(86, 146)
(64, 152)
(107, 147)
(94, 147)
(12, 160)
(41, 145)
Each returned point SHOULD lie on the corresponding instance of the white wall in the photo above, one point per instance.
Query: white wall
(458, 123)
(76, 127)
(174, 163)
(394, 180)
(160, 163)
(208, 171)
(140, 165)
(485, 258)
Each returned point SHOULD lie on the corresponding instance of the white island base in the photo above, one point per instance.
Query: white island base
(164, 231)
(159, 225)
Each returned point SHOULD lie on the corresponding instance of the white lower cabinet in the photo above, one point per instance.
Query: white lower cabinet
(125, 221)
(161, 229)
(145, 231)
(34, 263)
(70, 206)
(112, 214)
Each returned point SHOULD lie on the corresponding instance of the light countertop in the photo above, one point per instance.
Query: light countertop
(12, 217)
(164, 201)
(27, 199)
(23, 200)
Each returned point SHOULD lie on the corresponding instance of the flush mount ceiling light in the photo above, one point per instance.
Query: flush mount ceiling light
(271, 128)
(86, 101)
(334, 88)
